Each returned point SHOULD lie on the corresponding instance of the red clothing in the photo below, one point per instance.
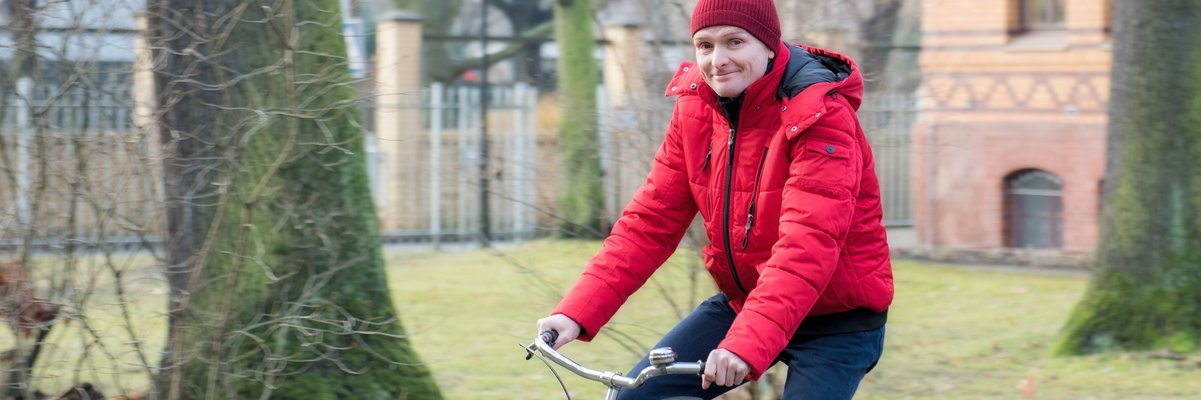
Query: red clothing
(790, 203)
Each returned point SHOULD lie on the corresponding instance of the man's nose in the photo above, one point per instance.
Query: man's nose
(720, 58)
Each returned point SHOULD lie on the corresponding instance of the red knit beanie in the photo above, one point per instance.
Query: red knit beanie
(758, 17)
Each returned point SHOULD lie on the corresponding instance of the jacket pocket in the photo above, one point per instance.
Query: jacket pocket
(828, 165)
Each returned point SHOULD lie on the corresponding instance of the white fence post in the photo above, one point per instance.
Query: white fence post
(515, 159)
(504, 202)
(471, 169)
(521, 179)
(24, 156)
(463, 110)
(371, 148)
(496, 135)
(436, 163)
(609, 189)
(531, 145)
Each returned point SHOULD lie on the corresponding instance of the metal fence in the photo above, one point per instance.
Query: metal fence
(98, 181)
(887, 119)
(440, 173)
(74, 168)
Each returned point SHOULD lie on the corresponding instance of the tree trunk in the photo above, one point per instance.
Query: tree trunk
(580, 204)
(1146, 292)
(274, 263)
(878, 34)
(22, 26)
(439, 17)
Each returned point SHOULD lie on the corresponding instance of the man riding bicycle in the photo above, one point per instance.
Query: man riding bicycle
(764, 143)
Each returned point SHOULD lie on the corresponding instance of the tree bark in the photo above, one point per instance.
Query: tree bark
(580, 204)
(21, 23)
(1146, 291)
(879, 37)
(274, 262)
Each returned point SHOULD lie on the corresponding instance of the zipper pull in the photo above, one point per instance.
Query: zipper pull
(731, 141)
(750, 221)
(708, 154)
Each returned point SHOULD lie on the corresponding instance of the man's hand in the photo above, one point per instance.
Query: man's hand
(568, 329)
(724, 368)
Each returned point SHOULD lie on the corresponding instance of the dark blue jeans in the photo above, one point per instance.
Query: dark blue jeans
(826, 367)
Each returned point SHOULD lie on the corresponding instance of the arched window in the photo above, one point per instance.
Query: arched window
(1042, 14)
(1034, 210)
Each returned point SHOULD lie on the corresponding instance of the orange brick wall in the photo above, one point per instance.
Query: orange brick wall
(960, 22)
(996, 101)
(1087, 20)
(964, 15)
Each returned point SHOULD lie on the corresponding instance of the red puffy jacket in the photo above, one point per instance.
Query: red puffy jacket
(790, 202)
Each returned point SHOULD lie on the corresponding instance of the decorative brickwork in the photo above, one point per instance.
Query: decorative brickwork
(1070, 93)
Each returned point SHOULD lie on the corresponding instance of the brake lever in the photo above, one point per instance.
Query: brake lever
(529, 350)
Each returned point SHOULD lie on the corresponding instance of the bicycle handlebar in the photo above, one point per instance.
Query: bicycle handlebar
(549, 337)
(662, 364)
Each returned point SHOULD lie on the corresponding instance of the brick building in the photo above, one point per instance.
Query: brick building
(1009, 150)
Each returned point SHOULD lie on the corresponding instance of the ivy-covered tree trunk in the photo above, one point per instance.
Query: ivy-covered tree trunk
(1146, 292)
(277, 281)
(581, 199)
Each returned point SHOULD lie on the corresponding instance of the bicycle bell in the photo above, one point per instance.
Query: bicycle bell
(662, 356)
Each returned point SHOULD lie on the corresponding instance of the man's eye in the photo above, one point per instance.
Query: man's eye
(735, 42)
(704, 46)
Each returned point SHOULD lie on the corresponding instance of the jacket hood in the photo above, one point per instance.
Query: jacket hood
(809, 66)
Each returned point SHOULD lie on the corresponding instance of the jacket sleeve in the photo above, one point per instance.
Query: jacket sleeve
(818, 205)
(647, 233)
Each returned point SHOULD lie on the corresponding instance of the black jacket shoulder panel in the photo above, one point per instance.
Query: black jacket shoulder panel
(805, 69)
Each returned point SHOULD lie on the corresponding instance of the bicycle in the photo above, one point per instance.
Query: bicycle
(663, 362)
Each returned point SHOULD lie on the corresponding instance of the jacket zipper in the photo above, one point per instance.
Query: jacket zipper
(726, 213)
(708, 154)
(750, 213)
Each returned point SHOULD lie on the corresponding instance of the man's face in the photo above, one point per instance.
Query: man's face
(730, 58)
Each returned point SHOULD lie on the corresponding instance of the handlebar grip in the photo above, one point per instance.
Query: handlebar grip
(549, 337)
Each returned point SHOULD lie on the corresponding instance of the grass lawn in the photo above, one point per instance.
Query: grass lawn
(954, 332)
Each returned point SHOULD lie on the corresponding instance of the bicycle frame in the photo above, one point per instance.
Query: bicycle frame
(662, 363)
